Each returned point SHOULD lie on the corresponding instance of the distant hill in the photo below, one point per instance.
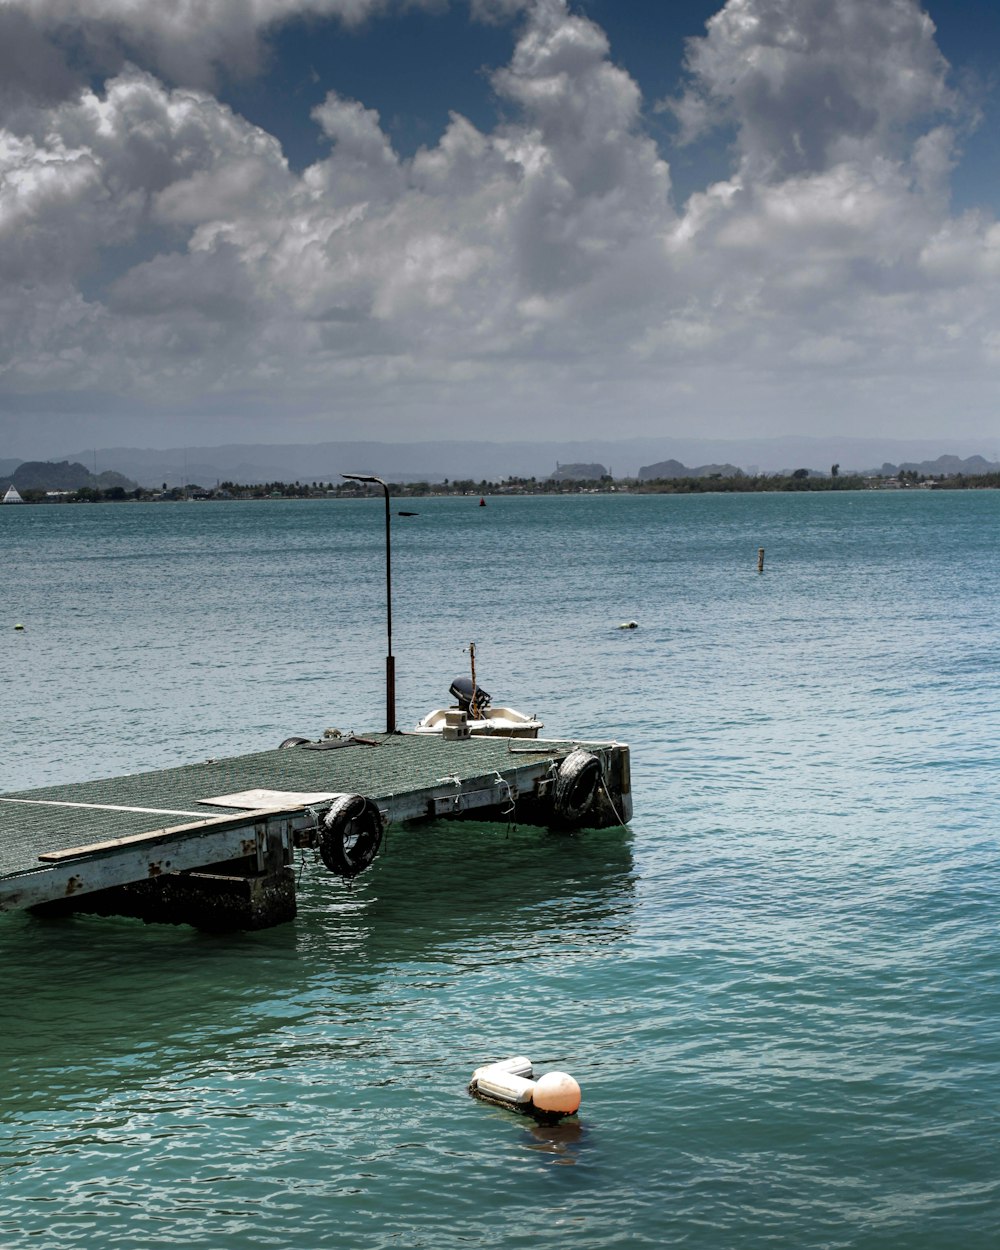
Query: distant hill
(48, 475)
(435, 461)
(578, 473)
(110, 479)
(673, 468)
(943, 466)
(61, 475)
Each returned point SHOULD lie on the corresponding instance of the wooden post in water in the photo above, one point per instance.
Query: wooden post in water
(760, 559)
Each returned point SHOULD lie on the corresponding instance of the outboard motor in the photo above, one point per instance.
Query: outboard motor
(464, 692)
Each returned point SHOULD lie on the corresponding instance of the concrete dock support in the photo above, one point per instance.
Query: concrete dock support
(214, 901)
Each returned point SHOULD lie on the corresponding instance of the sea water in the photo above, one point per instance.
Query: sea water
(779, 987)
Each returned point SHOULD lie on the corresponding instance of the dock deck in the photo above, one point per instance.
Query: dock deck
(148, 843)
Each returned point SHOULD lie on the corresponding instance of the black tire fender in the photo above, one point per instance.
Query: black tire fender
(575, 788)
(292, 742)
(350, 835)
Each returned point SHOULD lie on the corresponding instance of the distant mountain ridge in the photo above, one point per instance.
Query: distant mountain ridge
(578, 473)
(943, 466)
(666, 469)
(60, 475)
(435, 461)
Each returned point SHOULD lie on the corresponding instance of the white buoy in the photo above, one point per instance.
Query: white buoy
(629, 625)
(509, 1083)
(556, 1093)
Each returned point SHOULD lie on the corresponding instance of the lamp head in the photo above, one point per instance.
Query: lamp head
(363, 477)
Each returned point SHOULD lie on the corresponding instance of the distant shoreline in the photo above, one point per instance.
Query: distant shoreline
(742, 484)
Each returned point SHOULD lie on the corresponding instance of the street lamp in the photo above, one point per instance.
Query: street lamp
(390, 662)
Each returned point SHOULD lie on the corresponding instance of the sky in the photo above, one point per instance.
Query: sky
(311, 220)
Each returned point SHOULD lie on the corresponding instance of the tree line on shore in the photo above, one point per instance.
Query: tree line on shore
(738, 483)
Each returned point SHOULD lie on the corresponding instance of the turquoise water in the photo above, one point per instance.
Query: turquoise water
(779, 989)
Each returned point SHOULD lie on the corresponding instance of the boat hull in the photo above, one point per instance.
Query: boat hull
(496, 722)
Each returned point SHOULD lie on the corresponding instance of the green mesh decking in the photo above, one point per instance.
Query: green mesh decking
(401, 764)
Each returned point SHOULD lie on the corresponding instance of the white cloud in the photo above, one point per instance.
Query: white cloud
(831, 246)
(156, 245)
(92, 173)
(812, 83)
(185, 40)
(425, 263)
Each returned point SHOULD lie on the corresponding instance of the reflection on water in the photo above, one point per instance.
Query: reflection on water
(463, 889)
(564, 1140)
(111, 1001)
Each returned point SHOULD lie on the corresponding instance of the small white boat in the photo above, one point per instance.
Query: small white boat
(503, 721)
(472, 714)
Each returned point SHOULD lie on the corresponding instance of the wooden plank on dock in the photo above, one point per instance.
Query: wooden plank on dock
(156, 835)
(143, 860)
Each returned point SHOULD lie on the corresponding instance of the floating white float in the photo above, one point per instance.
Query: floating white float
(510, 1083)
(518, 1065)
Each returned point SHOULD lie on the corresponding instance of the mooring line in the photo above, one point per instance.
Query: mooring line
(104, 807)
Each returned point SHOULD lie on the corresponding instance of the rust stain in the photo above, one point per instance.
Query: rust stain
(72, 885)
(154, 869)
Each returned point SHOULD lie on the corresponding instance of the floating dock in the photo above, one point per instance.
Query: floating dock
(211, 844)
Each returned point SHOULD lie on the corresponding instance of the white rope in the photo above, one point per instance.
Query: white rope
(506, 811)
(611, 802)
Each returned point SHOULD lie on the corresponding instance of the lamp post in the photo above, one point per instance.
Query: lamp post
(390, 662)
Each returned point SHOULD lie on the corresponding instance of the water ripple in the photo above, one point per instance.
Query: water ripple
(779, 989)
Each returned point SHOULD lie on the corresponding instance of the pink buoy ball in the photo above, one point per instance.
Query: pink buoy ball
(556, 1093)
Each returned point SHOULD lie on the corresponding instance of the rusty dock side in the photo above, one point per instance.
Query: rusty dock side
(210, 844)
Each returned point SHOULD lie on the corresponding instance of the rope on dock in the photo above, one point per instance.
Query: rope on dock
(611, 802)
(106, 807)
(506, 811)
